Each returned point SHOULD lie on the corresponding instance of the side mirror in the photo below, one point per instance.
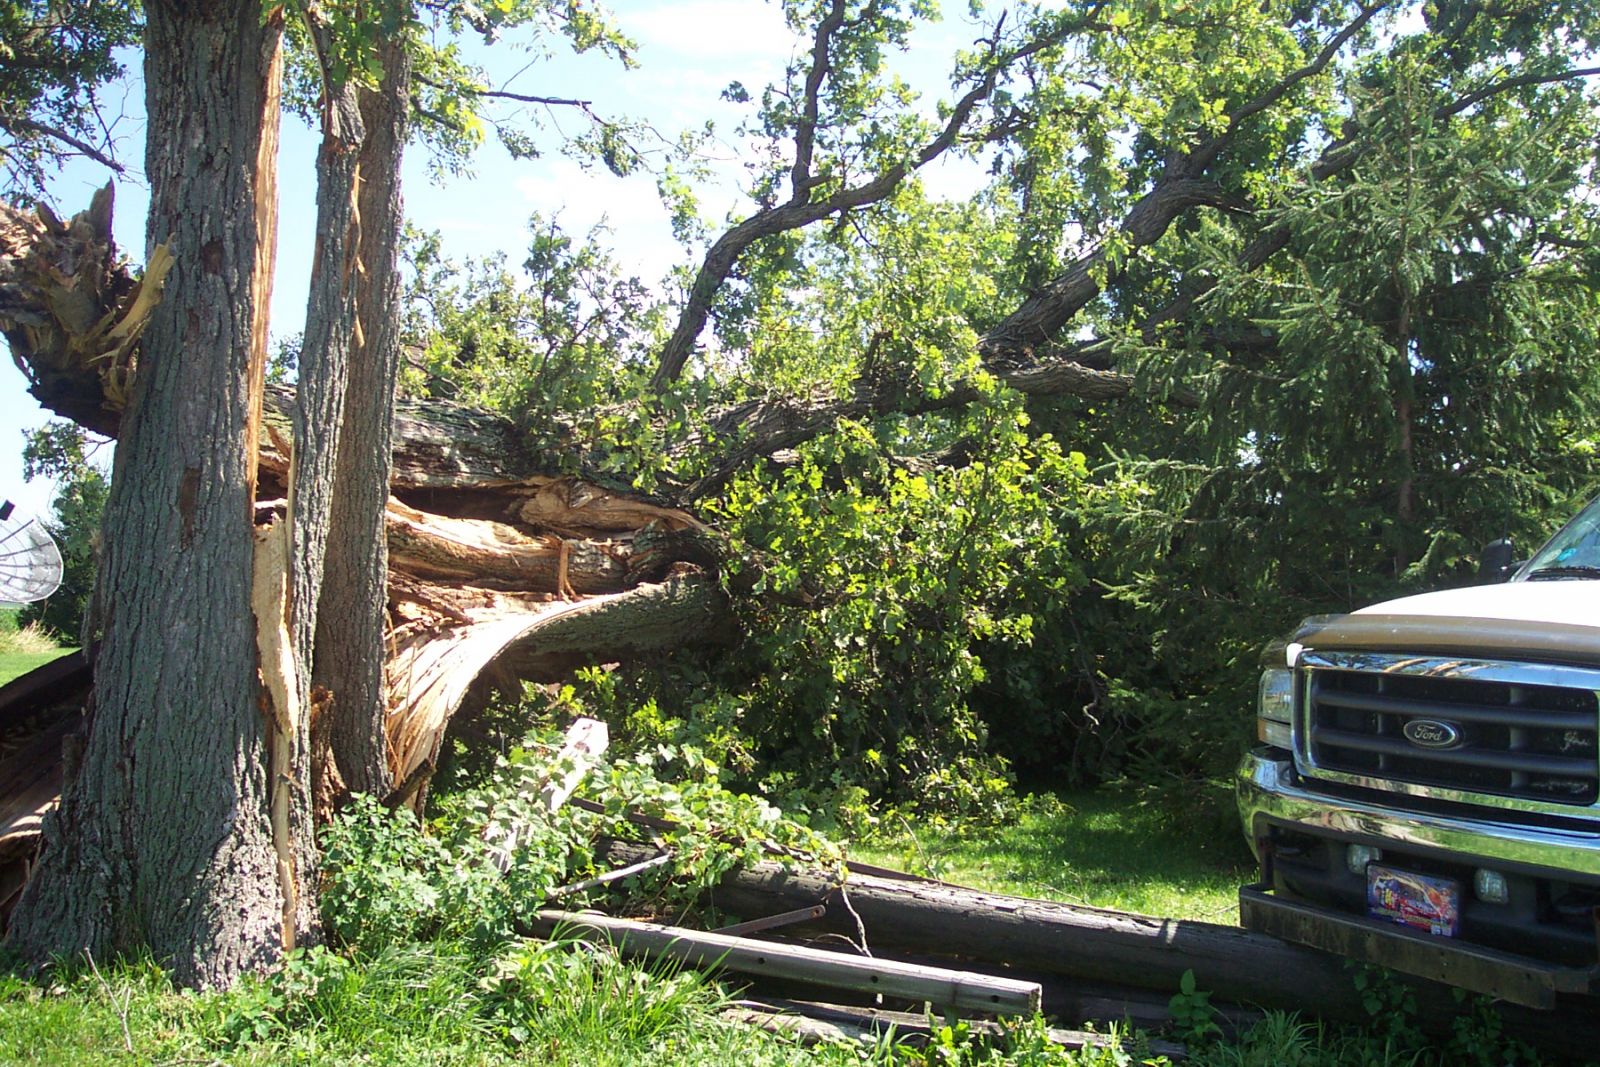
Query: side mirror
(1495, 564)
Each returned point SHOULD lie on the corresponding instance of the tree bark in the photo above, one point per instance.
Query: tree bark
(163, 839)
(349, 653)
(318, 418)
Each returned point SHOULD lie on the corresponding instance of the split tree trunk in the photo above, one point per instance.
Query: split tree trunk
(163, 838)
(349, 652)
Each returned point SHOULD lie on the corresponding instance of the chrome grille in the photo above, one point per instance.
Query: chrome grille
(1496, 730)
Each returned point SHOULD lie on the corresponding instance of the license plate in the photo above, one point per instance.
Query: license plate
(1414, 900)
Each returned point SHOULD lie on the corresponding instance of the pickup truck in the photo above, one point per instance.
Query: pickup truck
(1425, 788)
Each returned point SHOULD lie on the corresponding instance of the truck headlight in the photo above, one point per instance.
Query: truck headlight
(1274, 707)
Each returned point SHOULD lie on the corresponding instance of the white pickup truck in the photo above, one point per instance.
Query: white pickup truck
(1425, 790)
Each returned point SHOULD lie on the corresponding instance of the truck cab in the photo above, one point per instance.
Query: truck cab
(1425, 788)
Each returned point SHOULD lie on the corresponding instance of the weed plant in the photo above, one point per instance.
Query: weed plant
(29, 639)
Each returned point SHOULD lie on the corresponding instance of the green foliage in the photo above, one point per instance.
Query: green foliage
(1193, 1017)
(1411, 377)
(1021, 1042)
(1065, 592)
(547, 345)
(388, 880)
(543, 987)
(55, 59)
(62, 451)
(881, 569)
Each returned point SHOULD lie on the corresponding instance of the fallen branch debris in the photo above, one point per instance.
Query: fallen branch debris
(956, 990)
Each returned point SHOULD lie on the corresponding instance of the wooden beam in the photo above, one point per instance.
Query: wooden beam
(956, 990)
(773, 922)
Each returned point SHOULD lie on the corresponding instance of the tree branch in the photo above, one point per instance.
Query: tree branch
(506, 94)
(1181, 188)
(805, 136)
(16, 127)
(759, 428)
(801, 211)
(1508, 84)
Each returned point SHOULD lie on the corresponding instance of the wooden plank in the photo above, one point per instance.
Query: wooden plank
(63, 679)
(959, 990)
(808, 1030)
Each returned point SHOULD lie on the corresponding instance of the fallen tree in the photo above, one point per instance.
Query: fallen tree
(496, 529)
(519, 550)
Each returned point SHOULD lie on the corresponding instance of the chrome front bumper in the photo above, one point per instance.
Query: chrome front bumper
(1270, 797)
(1269, 793)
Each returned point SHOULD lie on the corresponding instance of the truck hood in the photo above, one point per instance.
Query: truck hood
(1552, 622)
(1567, 602)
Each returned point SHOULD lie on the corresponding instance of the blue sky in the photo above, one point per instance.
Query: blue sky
(688, 52)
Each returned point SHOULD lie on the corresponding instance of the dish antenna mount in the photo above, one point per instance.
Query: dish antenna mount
(30, 564)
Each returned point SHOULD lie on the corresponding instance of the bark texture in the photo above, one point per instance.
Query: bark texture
(349, 650)
(162, 839)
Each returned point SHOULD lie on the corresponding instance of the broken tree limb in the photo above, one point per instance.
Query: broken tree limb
(585, 742)
(439, 547)
(431, 670)
(613, 876)
(958, 990)
(71, 310)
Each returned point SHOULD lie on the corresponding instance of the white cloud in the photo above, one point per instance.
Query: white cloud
(711, 31)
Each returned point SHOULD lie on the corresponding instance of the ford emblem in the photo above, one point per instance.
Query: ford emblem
(1431, 733)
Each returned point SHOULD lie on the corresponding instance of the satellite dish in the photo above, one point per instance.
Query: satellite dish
(30, 564)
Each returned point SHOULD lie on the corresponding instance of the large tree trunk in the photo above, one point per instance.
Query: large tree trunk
(163, 838)
(349, 656)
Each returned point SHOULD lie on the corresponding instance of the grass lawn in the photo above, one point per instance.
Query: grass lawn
(1107, 849)
(22, 648)
(16, 664)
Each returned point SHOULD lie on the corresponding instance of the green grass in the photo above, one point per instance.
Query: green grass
(1106, 849)
(568, 1005)
(16, 664)
(22, 648)
(555, 1004)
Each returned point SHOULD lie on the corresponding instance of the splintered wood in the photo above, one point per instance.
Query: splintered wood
(72, 311)
(269, 601)
(428, 676)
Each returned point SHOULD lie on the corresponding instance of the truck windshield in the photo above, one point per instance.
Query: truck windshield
(1574, 552)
